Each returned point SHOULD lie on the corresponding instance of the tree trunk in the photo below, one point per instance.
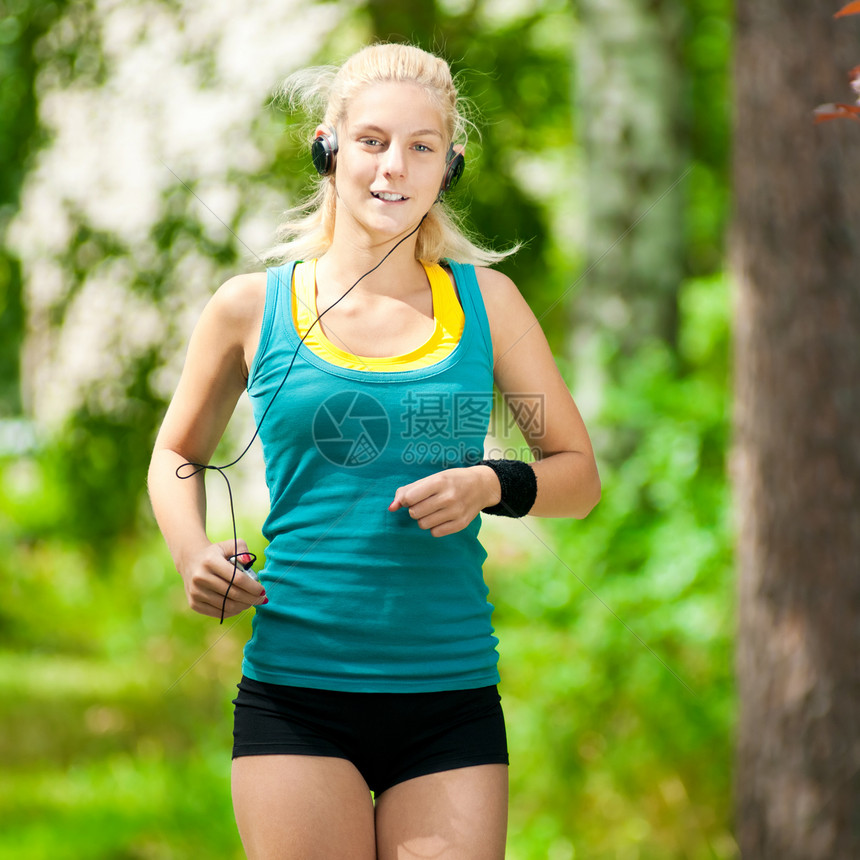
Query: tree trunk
(796, 263)
(630, 113)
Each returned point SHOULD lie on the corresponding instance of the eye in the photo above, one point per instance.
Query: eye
(371, 141)
(422, 147)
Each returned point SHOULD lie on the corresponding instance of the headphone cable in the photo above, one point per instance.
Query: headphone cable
(197, 468)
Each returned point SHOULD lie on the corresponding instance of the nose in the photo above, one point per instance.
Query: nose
(393, 161)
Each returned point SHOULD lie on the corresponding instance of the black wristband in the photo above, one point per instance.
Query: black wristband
(519, 487)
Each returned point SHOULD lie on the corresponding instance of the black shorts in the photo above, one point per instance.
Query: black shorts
(389, 737)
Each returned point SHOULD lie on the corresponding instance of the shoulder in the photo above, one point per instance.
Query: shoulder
(513, 326)
(236, 307)
(505, 304)
(494, 285)
(230, 322)
(240, 298)
(498, 291)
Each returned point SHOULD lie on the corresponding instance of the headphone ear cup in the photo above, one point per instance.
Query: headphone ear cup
(323, 151)
(453, 170)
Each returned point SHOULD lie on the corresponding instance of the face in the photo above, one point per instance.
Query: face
(390, 160)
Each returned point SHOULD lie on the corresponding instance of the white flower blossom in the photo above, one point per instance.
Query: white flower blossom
(184, 84)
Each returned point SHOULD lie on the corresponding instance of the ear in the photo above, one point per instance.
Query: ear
(324, 150)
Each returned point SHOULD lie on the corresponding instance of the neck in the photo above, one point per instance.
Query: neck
(385, 267)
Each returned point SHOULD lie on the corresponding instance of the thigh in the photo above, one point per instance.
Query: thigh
(302, 807)
(457, 814)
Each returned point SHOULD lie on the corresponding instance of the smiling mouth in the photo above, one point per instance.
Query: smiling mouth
(384, 195)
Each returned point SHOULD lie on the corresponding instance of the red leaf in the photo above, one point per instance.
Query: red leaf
(850, 9)
(823, 113)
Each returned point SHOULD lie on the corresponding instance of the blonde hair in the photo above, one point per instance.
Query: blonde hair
(308, 229)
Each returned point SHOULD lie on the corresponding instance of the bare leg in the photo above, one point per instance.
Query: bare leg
(454, 815)
(302, 807)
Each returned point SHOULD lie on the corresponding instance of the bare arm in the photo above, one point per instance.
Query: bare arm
(567, 479)
(212, 380)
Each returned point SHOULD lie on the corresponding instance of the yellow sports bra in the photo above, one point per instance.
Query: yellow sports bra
(447, 313)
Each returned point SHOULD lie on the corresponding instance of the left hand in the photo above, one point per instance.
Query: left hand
(446, 502)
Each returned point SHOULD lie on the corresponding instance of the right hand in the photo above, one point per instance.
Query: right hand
(207, 578)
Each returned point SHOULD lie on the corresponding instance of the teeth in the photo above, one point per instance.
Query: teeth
(382, 195)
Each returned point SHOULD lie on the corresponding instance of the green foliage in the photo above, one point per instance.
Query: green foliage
(22, 23)
(115, 704)
(615, 640)
(616, 631)
(706, 52)
(86, 484)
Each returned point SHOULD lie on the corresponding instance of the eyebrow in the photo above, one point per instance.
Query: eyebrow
(420, 133)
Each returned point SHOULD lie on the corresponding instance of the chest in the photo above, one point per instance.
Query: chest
(379, 326)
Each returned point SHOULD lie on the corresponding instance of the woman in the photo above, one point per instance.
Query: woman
(372, 664)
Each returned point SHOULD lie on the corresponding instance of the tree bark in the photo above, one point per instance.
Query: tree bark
(795, 256)
(630, 120)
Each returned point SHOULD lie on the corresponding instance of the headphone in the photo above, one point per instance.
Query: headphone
(324, 150)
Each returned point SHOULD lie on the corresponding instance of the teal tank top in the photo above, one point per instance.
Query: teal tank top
(361, 598)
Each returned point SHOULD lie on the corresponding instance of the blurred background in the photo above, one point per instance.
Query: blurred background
(142, 165)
